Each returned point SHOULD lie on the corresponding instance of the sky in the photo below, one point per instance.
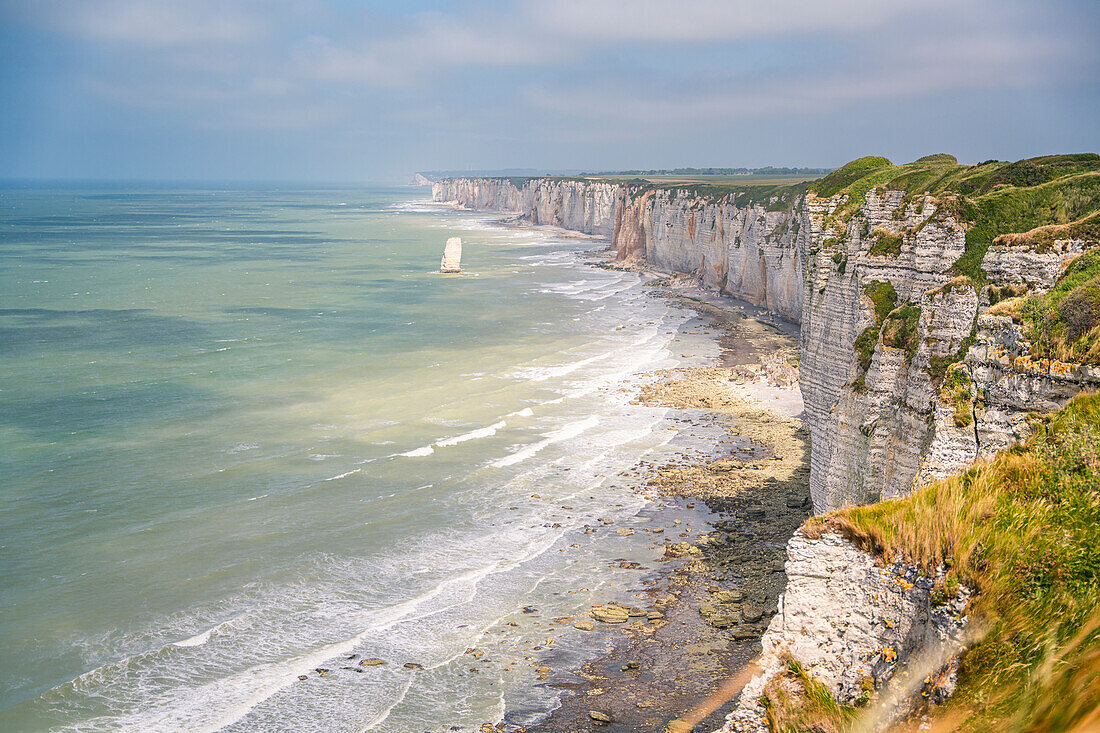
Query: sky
(341, 91)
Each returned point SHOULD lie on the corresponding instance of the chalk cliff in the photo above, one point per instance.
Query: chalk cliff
(905, 375)
(857, 627)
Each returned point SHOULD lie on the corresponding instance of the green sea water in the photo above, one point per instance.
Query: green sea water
(250, 433)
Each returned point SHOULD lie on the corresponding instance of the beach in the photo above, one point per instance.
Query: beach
(705, 612)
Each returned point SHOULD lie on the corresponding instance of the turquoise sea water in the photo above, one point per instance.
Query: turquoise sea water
(250, 433)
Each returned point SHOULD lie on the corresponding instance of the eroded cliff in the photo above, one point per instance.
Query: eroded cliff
(914, 360)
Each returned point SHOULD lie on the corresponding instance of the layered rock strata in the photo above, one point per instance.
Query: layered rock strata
(877, 432)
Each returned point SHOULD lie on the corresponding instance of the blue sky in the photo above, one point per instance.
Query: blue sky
(345, 91)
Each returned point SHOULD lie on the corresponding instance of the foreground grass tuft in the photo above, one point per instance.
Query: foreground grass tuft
(795, 702)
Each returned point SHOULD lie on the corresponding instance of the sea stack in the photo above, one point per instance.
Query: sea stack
(452, 255)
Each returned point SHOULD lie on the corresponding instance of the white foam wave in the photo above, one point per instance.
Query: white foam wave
(344, 475)
(541, 374)
(472, 435)
(196, 640)
(426, 450)
(571, 430)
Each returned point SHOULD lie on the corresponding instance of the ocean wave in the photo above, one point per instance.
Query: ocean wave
(426, 450)
(571, 430)
(204, 636)
(541, 374)
(344, 475)
(472, 435)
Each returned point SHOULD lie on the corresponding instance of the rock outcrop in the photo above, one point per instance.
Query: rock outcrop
(452, 256)
(854, 625)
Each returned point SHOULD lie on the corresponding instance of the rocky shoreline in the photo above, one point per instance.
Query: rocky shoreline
(678, 658)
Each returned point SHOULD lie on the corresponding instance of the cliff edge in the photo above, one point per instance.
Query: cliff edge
(939, 303)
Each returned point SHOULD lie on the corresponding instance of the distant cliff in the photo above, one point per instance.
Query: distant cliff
(926, 335)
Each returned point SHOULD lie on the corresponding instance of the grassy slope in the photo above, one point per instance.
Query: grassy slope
(993, 198)
(1064, 323)
(1023, 531)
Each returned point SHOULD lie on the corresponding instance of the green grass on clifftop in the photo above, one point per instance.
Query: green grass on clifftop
(1022, 531)
(991, 198)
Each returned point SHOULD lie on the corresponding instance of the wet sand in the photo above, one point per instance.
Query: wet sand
(698, 623)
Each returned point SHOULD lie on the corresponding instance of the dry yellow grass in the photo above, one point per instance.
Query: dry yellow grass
(1023, 531)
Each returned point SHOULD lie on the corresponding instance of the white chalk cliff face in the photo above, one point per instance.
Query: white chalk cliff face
(876, 434)
(855, 625)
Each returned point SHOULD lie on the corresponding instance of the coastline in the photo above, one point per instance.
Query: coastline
(704, 611)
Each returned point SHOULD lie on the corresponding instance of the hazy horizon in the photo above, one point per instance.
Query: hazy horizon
(333, 91)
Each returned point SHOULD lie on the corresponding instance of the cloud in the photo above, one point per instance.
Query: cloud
(152, 23)
(660, 21)
(878, 72)
(593, 68)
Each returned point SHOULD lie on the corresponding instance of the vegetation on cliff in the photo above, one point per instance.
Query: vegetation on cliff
(1041, 239)
(1032, 202)
(1022, 531)
(992, 198)
(957, 392)
(1064, 323)
(885, 300)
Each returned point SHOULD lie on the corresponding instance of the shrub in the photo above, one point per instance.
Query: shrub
(901, 329)
(883, 296)
(1080, 310)
(886, 242)
(865, 346)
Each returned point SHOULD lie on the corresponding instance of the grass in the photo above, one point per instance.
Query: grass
(882, 296)
(957, 392)
(772, 196)
(886, 242)
(845, 177)
(992, 198)
(795, 702)
(1023, 532)
(840, 259)
(864, 347)
(939, 158)
(884, 299)
(900, 329)
(1041, 239)
(1008, 209)
(1064, 323)
(682, 178)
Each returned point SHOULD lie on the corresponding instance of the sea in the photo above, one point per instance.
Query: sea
(250, 433)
